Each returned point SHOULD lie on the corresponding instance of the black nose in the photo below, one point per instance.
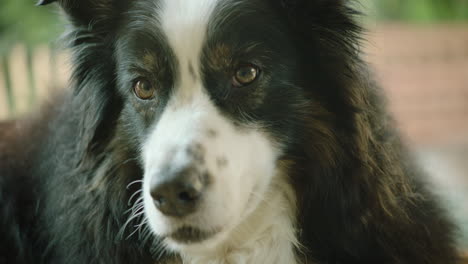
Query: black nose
(177, 193)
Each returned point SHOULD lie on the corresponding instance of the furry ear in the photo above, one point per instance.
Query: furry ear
(44, 2)
(97, 14)
(296, 4)
(307, 9)
(94, 67)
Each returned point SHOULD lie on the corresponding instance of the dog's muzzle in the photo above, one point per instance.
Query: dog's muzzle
(177, 190)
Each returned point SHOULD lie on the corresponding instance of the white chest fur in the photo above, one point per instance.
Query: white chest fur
(266, 236)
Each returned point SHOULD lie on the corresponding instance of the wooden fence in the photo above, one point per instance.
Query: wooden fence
(28, 75)
(423, 69)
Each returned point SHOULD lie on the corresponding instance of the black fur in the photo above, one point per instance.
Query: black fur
(65, 175)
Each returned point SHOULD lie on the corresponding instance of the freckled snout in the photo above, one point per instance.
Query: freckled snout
(177, 190)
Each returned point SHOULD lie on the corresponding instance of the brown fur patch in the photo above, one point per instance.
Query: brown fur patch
(220, 58)
(149, 60)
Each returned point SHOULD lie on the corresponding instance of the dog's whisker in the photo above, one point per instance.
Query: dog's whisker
(129, 220)
(133, 196)
(134, 182)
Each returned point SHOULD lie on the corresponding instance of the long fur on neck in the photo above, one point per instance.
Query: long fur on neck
(267, 235)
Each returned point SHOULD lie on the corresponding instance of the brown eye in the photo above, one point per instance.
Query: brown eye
(144, 89)
(245, 75)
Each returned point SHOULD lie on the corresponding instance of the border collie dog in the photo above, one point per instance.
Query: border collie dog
(210, 132)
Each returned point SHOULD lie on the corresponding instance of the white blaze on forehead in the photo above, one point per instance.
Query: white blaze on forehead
(185, 24)
(240, 163)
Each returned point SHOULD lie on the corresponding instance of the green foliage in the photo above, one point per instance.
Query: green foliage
(22, 21)
(422, 10)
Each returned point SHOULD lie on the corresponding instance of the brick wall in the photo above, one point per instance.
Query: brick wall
(424, 70)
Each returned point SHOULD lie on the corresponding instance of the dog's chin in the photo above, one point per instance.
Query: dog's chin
(191, 237)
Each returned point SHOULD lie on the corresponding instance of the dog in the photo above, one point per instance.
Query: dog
(215, 131)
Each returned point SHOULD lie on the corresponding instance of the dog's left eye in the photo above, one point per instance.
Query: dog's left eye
(143, 89)
(245, 75)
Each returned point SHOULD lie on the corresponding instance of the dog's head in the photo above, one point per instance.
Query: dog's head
(210, 88)
(213, 93)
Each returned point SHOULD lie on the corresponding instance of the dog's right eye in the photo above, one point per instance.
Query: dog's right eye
(143, 89)
(245, 75)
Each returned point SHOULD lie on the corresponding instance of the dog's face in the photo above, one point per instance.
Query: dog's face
(209, 92)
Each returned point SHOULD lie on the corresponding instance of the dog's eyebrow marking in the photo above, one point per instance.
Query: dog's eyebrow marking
(220, 57)
(149, 59)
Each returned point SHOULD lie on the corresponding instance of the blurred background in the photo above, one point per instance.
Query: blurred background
(417, 48)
